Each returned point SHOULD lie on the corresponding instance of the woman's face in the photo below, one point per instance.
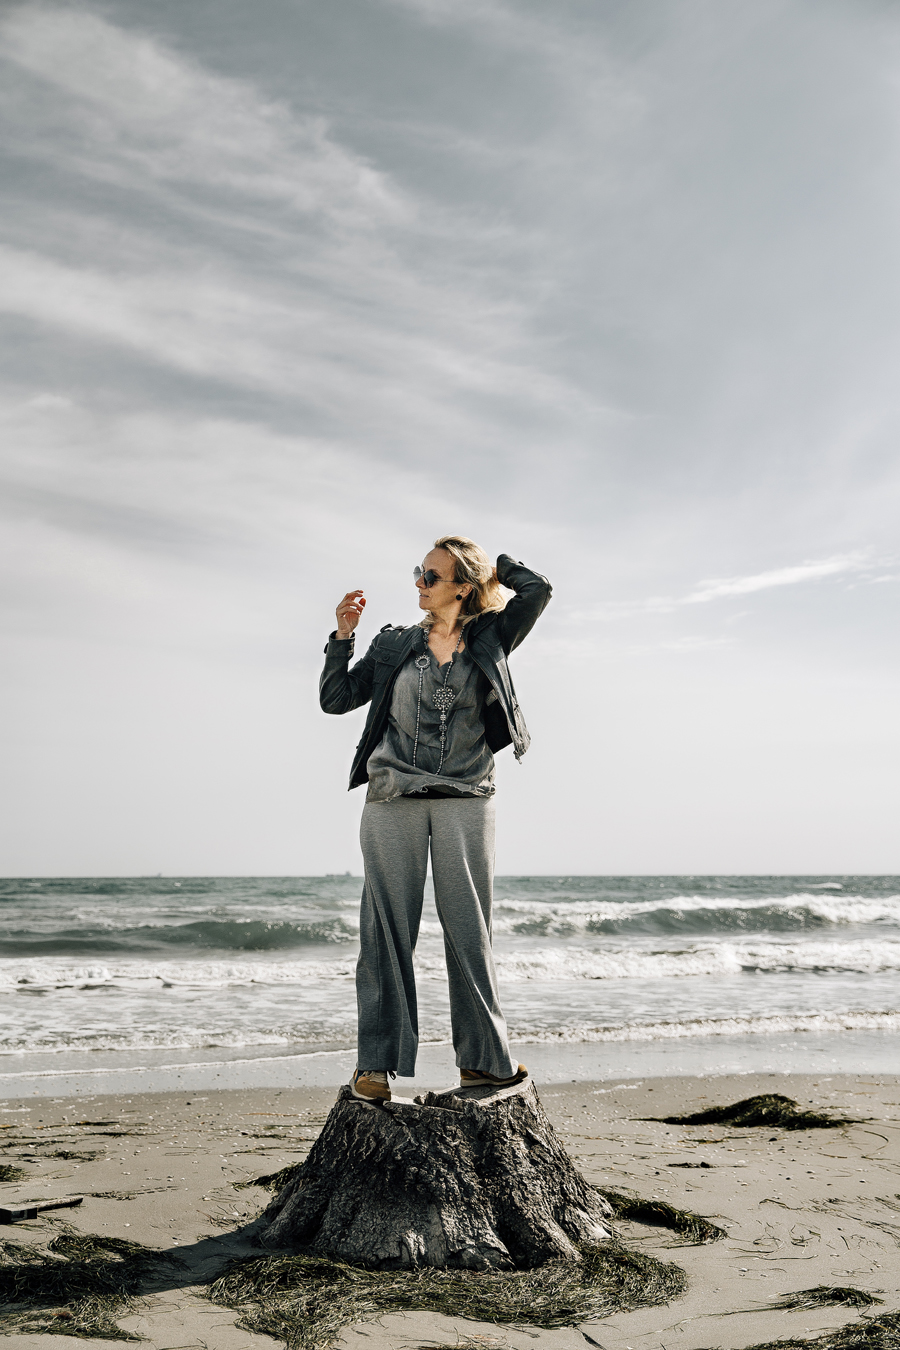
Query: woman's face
(441, 592)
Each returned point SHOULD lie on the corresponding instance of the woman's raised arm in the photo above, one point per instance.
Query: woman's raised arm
(532, 595)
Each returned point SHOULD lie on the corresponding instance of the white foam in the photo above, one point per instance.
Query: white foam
(143, 974)
(611, 961)
(709, 958)
(829, 1023)
(777, 1024)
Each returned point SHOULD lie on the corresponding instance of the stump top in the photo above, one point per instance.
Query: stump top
(484, 1095)
(453, 1099)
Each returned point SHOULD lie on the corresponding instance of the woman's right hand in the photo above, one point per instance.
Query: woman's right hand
(349, 613)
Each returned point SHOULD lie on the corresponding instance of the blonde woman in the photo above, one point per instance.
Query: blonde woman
(442, 703)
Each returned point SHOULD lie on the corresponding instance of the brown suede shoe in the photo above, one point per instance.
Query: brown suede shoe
(371, 1085)
(478, 1077)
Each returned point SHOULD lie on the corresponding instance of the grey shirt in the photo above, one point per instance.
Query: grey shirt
(468, 767)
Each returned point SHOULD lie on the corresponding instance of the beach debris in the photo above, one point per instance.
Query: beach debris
(272, 1181)
(121, 1134)
(690, 1164)
(76, 1286)
(768, 1108)
(660, 1214)
(874, 1333)
(864, 1210)
(475, 1343)
(9, 1172)
(475, 1178)
(306, 1301)
(72, 1155)
(30, 1209)
(826, 1295)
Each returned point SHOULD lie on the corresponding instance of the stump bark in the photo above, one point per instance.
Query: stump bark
(473, 1178)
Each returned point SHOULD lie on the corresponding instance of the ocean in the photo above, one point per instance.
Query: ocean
(188, 970)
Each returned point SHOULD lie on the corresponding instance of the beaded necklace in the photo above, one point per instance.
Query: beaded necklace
(443, 697)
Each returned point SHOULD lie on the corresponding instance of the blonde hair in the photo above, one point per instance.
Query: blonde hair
(472, 565)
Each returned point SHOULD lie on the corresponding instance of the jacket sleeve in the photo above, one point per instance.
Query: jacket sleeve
(342, 687)
(532, 595)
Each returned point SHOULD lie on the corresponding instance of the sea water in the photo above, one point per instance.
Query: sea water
(195, 969)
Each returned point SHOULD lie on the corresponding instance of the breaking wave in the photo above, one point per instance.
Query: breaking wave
(240, 935)
(701, 914)
(546, 964)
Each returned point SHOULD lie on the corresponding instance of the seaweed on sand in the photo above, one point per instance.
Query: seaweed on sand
(826, 1295)
(305, 1301)
(769, 1108)
(660, 1214)
(272, 1181)
(874, 1333)
(77, 1286)
(9, 1172)
(72, 1155)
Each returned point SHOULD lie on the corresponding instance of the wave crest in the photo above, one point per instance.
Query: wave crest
(694, 914)
(547, 964)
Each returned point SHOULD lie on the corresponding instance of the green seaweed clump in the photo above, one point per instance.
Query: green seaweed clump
(769, 1108)
(306, 1301)
(875, 1333)
(9, 1172)
(77, 1286)
(660, 1214)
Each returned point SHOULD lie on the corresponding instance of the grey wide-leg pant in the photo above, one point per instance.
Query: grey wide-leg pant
(395, 838)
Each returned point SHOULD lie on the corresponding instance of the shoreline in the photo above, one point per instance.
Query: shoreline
(801, 1208)
(82, 1073)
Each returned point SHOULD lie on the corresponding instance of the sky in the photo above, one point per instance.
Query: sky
(290, 289)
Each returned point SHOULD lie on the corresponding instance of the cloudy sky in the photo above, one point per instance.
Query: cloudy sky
(290, 287)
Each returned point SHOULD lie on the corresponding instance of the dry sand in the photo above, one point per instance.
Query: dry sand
(801, 1208)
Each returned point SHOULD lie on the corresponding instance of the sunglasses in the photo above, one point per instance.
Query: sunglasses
(428, 577)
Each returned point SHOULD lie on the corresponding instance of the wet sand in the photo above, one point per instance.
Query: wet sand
(801, 1208)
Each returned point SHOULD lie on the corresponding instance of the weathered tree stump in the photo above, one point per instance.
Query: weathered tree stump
(472, 1178)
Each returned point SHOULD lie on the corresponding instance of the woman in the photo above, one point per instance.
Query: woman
(442, 702)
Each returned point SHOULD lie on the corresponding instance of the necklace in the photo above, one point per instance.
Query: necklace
(442, 697)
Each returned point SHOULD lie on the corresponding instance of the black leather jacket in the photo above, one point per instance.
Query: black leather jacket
(490, 638)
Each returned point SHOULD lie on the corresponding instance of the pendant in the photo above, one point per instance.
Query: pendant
(422, 662)
(443, 700)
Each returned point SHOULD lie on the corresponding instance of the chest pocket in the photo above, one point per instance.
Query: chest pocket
(386, 662)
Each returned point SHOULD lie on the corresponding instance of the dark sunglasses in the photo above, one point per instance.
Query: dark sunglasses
(428, 577)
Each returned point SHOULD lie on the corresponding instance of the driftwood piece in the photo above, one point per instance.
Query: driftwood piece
(30, 1209)
(473, 1178)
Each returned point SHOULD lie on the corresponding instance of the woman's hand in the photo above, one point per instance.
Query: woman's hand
(349, 613)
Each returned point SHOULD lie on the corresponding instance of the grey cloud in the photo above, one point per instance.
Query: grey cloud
(137, 528)
(378, 318)
(147, 114)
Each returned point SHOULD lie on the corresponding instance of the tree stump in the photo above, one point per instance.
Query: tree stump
(473, 1178)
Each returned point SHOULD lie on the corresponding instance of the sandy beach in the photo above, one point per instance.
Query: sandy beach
(801, 1208)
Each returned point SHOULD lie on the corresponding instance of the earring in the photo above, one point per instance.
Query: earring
(459, 597)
